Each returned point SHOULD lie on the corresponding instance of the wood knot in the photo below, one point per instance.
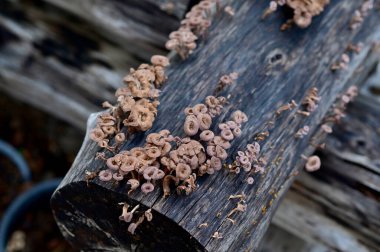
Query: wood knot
(275, 62)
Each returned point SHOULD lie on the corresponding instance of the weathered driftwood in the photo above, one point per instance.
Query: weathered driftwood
(339, 206)
(274, 68)
(279, 240)
(68, 60)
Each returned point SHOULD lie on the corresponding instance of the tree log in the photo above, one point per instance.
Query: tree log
(273, 68)
(339, 206)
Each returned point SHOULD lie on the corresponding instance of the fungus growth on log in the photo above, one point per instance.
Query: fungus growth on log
(303, 10)
(136, 104)
(174, 160)
(195, 25)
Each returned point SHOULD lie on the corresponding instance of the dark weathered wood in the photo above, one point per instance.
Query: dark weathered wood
(67, 57)
(273, 68)
(339, 205)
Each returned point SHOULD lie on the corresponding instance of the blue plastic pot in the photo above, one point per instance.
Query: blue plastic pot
(22, 204)
(11, 153)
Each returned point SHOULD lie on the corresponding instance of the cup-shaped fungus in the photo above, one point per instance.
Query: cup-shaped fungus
(253, 148)
(128, 163)
(220, 152)
(326, 128)
(200, 109)
(216, 163)
(236, 131)
(191, 125)
(183, 171)
(206, 135)
(227, 134)
(103, 143)
(159, 175)
(243, 160)
(112, 163)
(147, 187)
(313, 163)
(117, 176)
(156, 139)
(223, 126)
(204, 121)
(302, 18)
(153, 152)
(159, 60)
(250, 180)
(211, 150)
(120, 137)
(105, 175)
(232, 125)
(97, 135)
(150, 172)
(239, 117)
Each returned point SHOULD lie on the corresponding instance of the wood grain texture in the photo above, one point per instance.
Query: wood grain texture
(67, 57)
(273, 68)
(344, 196)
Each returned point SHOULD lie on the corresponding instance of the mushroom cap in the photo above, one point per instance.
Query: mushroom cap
(206, 135)
(326, 128)
(183, 171)
(313, 163)
(105, 175)
(191, 125)
(147, 187)
(159, 60)
(250, 180)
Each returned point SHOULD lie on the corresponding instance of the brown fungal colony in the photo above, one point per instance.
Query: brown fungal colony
(195, 24)
(342, 63)
(310, 102)
(304, 131)
(128, 216)
(249, 161)
(359, 15)
(177, 166)
(136, 105)
(174, 160)
(303, 10)
(225, 81)
(340, 106)
(345, 59)
(285, 107)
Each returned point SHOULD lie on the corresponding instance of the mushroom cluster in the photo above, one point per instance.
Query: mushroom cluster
(340, 106)
(359, 15)
(249, 161)
(303, 10)
(174, 160)
(304, 131)
(136, 103)
(226, 80)
(311, 100)
(195, 24)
